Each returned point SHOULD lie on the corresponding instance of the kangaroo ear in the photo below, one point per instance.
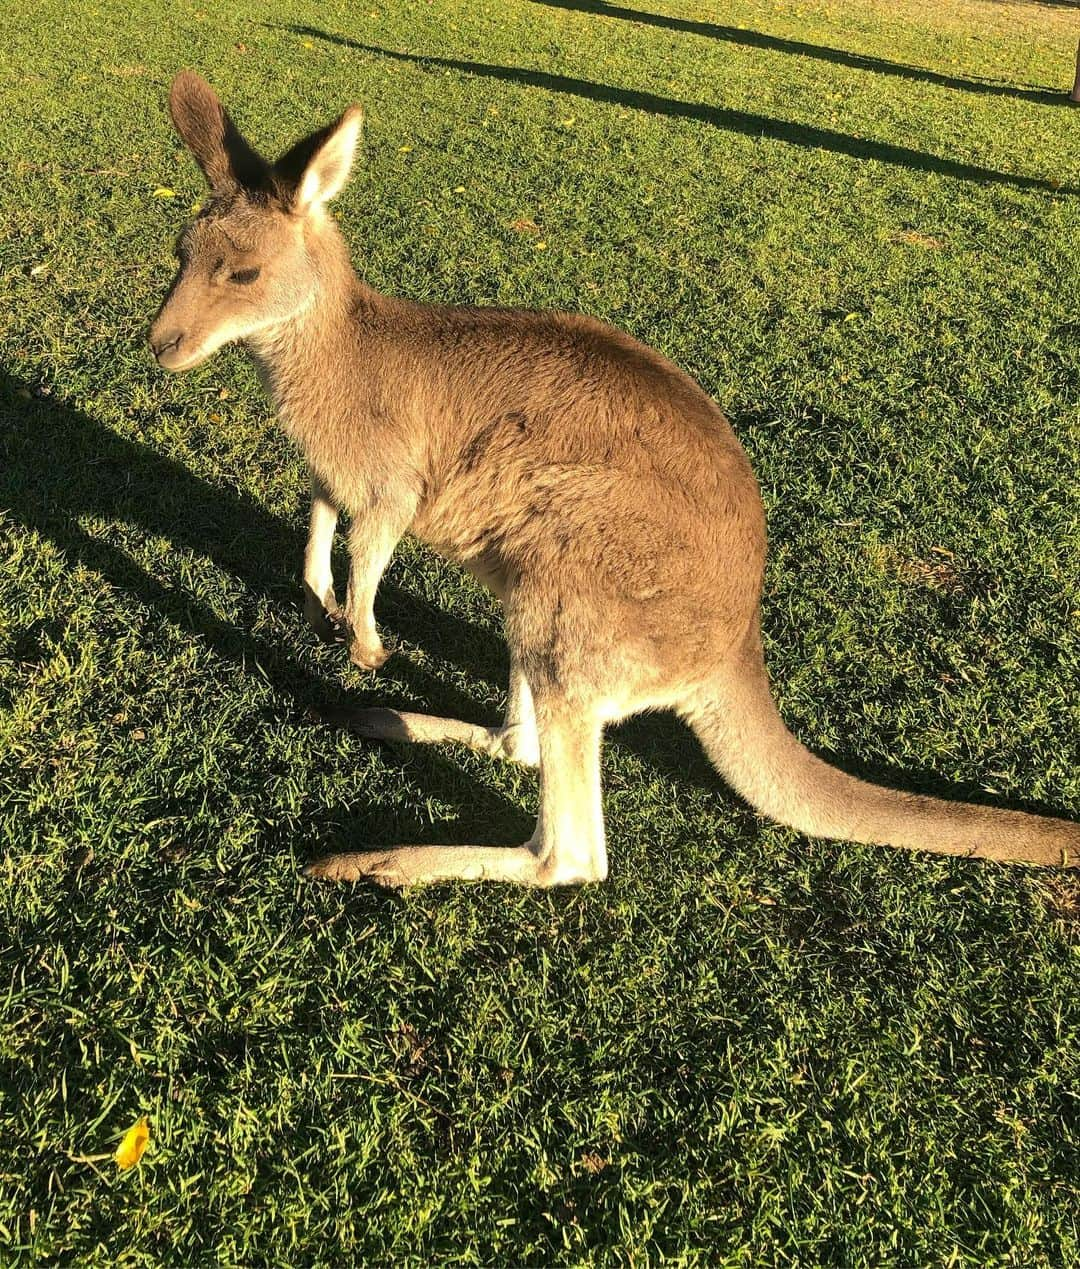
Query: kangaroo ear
(227, 161)
(316, 169)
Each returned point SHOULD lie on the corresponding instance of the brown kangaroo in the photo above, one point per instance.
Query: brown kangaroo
(585, 479)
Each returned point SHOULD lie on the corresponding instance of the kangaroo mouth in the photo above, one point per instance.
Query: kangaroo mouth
(177, 361)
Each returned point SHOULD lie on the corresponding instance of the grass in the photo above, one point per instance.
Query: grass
(856, 224)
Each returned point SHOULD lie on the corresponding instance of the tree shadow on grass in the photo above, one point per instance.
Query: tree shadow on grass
(799, 48)
(740, 122)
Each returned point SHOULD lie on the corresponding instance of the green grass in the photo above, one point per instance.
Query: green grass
(857, 225)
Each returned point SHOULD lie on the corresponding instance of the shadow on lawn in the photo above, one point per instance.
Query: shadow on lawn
(839, 57)
(737, 121)
(59, 465)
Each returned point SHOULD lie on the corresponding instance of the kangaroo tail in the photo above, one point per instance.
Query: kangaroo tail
(748, 742)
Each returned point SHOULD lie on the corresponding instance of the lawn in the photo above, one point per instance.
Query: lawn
(857, 225)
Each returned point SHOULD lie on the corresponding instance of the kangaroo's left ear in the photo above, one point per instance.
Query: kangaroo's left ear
(316, 169)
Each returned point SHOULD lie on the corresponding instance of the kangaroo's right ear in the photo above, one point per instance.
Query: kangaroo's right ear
(227, 161)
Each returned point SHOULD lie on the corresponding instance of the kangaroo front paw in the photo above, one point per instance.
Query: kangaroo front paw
(338, 623)
(368, 654)
(326, 618)
(332, 626)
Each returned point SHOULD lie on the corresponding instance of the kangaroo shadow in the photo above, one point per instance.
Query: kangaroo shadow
(799, 48)
(58, 466)
(741, 122)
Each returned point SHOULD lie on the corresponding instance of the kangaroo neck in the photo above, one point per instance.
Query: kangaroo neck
(308, 361)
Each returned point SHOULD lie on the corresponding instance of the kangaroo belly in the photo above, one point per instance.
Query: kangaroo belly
(624, 559)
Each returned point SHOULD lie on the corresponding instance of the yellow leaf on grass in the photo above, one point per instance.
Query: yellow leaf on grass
(133, 1145)
(163, 191)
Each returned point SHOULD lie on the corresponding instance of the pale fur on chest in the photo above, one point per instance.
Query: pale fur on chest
(351, 445)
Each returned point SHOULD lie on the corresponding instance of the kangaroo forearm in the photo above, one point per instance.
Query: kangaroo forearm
(318, 578)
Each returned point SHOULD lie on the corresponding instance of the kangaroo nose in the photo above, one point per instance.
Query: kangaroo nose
(159, 347)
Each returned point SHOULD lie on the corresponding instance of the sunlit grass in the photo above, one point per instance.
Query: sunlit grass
(855, 224)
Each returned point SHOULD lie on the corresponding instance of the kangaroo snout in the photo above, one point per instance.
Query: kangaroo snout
(175, 349)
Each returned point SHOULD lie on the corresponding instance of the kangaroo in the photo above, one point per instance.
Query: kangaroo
(590, 483)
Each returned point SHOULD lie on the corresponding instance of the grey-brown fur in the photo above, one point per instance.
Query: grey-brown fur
(583, 477)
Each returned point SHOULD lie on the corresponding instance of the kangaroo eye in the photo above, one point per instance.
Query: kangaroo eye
(244, 276)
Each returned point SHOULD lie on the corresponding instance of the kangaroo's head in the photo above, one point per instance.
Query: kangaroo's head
(258, 253)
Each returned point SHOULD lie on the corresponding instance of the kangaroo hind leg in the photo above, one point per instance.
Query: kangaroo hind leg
(567, 846)
(516, 739)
